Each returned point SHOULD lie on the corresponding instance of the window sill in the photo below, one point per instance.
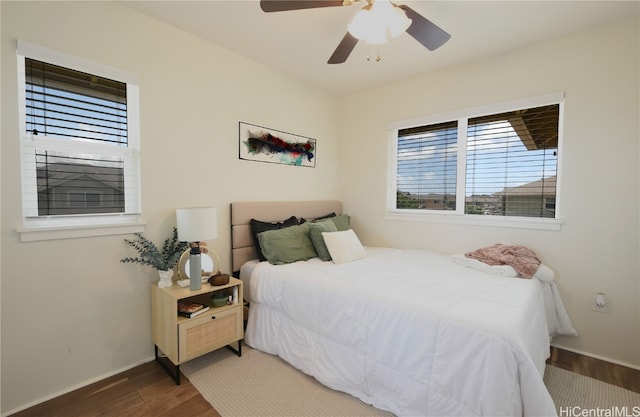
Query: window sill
(475, 220)
(37, 231)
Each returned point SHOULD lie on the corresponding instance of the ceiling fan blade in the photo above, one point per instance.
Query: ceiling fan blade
(425, 31)
(285, 5)
(343, 50)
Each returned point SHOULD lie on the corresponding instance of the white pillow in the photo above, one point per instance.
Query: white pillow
(343, 246)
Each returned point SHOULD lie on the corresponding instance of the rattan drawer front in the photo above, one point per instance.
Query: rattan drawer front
(212, 331)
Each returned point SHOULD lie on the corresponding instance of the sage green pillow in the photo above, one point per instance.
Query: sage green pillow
(283, 246)
(342, 222)
(315, 231)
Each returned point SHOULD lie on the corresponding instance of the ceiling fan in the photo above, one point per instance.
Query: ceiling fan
(375, 23)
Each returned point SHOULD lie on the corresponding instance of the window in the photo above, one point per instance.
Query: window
(79, 144)
(480, 162)
(427, 161)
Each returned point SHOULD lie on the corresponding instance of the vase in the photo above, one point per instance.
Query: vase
(165, 278)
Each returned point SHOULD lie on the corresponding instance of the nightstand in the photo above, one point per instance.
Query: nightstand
(181, 339)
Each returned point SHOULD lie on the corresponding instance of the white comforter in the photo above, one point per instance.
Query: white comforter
(408, 331)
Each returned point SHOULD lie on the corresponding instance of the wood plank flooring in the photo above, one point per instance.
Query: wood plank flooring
(144, 391)
(611, 373)
(147, 391)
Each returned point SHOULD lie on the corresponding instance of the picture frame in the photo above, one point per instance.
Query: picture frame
(263, 144)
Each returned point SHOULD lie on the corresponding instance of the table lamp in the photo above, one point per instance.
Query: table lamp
(194, 225)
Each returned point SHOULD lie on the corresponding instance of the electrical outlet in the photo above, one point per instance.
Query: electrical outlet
(600, 303)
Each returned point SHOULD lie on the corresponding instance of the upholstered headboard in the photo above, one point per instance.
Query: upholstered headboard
(242, 248)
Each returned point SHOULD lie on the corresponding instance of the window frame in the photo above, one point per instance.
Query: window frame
(458, 216)
(36, 227)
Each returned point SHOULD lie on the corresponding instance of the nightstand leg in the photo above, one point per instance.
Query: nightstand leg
(234, 350)
(173, 373)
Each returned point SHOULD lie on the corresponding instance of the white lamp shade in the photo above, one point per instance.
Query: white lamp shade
(196, 224)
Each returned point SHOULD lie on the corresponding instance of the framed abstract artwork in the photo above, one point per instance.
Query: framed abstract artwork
(262, 144)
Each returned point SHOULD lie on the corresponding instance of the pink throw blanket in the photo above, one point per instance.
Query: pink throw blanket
(522, 259)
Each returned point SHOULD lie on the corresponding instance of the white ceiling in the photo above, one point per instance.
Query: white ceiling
(300, 42)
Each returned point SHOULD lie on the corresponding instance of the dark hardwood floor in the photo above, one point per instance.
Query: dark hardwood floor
(144, 391)
(614, 374)
(147, 391)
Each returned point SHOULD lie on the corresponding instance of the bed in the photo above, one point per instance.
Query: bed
(405, 330)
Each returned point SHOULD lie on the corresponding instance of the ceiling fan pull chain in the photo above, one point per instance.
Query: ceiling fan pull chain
(378, 57)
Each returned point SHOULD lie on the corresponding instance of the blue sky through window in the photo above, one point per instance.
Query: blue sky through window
(59, 113)
(497, 158)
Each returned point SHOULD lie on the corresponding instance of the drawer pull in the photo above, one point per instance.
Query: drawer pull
(213, 317)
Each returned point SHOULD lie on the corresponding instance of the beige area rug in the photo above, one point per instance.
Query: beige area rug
(572, 392)
(263, 385)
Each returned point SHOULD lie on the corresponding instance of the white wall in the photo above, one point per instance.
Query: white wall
(70, 311)
(597, 249)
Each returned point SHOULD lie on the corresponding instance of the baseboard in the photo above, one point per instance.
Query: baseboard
(602, 358)
(75, 387)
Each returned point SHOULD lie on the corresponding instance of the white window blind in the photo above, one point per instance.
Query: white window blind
(427, 160)
(64, 103)
(512, 163)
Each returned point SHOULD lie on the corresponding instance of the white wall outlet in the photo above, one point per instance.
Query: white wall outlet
(600, 303)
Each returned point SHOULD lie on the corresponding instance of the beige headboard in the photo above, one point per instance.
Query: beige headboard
(242, 249)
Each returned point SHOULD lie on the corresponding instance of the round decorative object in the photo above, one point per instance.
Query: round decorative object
(165, 278)
(209, 260)
(219, 279)
(219, 299)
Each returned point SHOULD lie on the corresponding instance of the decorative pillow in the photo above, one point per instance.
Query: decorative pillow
(342, 222)
(258, 226)
(326, 216)
(286, 245)
(315, 232)
(344, 246)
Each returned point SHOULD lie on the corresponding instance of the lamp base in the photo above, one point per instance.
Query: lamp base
(195, 272)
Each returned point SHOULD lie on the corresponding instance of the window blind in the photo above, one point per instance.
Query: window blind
(70, 112)
(512, 163)
(66, 103)
(69, 184)
(426, 167)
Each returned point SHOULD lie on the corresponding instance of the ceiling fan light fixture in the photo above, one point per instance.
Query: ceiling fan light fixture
(361, 26)
(378, 22)
(398, 21)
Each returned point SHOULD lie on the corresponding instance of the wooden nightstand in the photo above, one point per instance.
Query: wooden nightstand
(181, 339)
